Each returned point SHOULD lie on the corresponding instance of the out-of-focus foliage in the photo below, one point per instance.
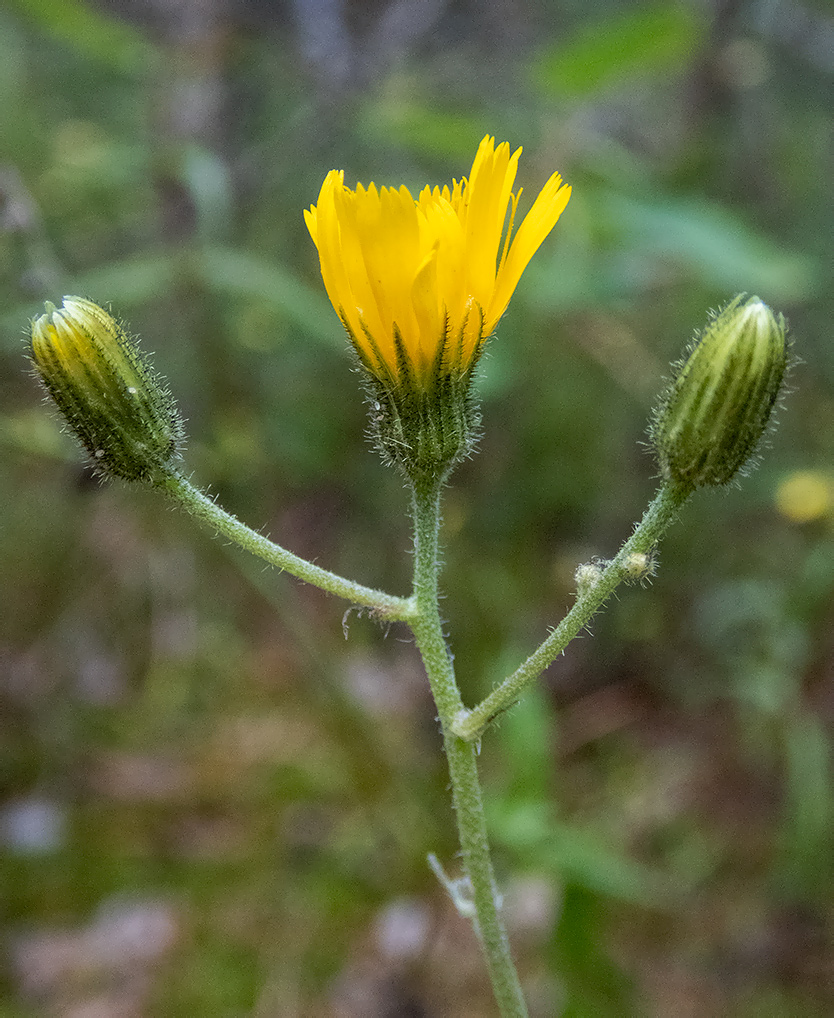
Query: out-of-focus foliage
(212, 803)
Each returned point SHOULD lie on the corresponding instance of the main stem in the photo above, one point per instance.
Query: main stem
(461, 755)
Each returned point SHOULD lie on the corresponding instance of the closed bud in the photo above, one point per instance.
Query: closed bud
(719, 404)
(106, 390)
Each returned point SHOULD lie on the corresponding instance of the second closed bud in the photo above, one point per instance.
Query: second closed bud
(714, 413)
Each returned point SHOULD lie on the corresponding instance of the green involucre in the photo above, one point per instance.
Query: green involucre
(423, 425)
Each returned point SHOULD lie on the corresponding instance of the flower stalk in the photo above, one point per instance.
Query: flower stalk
(460, 754)
(385, 607)
(661, 513)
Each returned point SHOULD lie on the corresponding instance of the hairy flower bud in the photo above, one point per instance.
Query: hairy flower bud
(718, 405)
(106, 390)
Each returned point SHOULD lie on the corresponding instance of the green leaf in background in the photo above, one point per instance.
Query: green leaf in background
(641, 41)
(89, 32)
(130, 282)
(135, 281)
(710, 240)
(124, 285)
(527, 739)
(650, 239)
(225, 269)
(523, 818)
(424, 128)
(572, 855)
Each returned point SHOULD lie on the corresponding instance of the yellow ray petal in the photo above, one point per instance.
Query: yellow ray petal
(537, 224)
(428, 270)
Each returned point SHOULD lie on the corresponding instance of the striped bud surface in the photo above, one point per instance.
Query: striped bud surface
(719, 403)
(106, 390)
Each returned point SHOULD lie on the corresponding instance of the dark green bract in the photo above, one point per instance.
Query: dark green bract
(425, 426)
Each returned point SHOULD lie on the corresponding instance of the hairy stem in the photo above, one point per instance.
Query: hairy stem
(461, 755)
(470, 724)
(203, 508)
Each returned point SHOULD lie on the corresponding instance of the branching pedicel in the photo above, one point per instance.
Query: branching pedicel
(419, 287)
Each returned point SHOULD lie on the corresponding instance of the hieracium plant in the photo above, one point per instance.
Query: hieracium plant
(420, 286)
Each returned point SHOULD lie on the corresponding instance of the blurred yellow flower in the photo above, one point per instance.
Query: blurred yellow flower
(805, 496)
(420, 285)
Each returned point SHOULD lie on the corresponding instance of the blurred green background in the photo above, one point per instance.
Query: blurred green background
(212, 803)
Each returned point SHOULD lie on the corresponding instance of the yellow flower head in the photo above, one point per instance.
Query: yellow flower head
(420, 285)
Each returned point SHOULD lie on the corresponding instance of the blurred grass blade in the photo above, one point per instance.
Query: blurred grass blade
(592, 982)
(808, 807)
